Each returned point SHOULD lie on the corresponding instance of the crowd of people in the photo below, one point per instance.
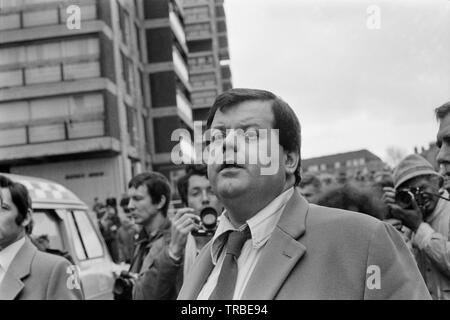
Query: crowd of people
(288, 235)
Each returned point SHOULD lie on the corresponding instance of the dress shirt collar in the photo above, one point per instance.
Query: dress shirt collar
(261, 225)
(7, 254)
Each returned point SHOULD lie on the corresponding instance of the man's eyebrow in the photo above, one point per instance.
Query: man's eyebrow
(241, 125)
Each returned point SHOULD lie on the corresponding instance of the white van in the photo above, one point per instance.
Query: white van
(62, 218)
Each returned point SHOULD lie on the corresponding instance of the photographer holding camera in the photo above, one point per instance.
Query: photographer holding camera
(419, 203)
(194, 225)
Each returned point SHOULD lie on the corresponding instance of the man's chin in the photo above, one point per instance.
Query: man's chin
(230, 189)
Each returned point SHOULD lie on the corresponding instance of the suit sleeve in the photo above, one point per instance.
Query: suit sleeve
(161, 281)
(391, 271)
(64, 283)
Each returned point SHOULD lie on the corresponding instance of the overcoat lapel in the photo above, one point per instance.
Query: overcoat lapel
(281, 253)
(19, 268)
(199, 274)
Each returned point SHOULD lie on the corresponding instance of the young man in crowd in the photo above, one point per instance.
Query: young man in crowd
(149, 201)
(310, 187)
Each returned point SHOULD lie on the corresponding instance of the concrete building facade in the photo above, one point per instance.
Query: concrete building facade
(90, 107)
(351, 164)
(207, 39)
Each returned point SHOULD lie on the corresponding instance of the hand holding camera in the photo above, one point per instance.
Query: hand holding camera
(208, 222)
(123, 286)
(183, 223)
(404, 207)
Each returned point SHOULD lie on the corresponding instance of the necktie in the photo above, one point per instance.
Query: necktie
(228, 274)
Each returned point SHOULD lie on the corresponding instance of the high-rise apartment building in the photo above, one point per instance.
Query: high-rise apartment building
(206, 34)
(90, 107)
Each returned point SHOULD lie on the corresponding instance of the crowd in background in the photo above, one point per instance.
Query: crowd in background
(229, 209)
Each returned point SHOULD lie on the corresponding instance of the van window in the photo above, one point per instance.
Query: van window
(91, 243)
(80, 251)
(46, 230)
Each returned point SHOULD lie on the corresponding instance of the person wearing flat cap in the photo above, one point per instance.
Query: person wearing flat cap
(427, 215)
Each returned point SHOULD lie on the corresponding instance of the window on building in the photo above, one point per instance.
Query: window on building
(126, 73)
(52, 119)
(86, 116)
(43, 63)
(146, 133)
(11, 78)
(12, 136)
(337, 165)
(40, 18)
(43, 74)
(132, 126)
(81, 70)
(10, 21)
(137, 32)
(124, 23)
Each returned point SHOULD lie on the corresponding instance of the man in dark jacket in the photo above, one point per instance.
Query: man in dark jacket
(149, 201)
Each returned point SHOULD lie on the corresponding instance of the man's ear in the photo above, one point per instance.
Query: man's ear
(291, 161)
(27, 220)
(162, 202)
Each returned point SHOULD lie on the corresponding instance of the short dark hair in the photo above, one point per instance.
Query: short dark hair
(19, 196)
(310, 179)
(442, 111)
(285, 120)
(157, 186)
(183, 182)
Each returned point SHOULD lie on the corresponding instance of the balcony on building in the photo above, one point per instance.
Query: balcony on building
(195, 3)
(57, 96)
(33, 20)
(199, 31)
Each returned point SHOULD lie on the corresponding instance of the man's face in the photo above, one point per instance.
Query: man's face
(10, 231)
(427, 185)
(142, 210)
(309, 192)
(230, 182)
(200, 194)
(443, 142)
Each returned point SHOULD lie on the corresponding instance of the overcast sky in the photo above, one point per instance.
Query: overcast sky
(352, 87)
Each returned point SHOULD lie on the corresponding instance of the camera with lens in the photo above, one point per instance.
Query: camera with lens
(404, 198)
(208, 222)
(123, 286)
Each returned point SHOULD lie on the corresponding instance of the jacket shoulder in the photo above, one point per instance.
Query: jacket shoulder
(319, 215)
(45, 263)
(351, 228)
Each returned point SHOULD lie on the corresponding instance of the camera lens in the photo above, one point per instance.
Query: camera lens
(209, 217)
(404, 199)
